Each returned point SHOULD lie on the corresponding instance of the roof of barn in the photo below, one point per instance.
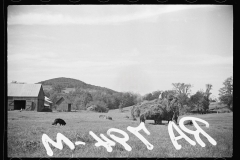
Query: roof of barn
(62, 99)
(23, 90)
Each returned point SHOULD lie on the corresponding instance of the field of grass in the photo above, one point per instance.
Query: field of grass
(25, 130)
(217, 105)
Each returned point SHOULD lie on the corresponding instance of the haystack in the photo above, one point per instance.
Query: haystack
(148, 108)
(153, 107)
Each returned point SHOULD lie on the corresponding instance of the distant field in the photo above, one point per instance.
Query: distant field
(216, 105)
(25, 130)
(219, 107)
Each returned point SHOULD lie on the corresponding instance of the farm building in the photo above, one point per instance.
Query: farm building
(64, 103)
(25, 96)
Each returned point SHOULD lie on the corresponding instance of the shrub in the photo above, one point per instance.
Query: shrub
(97, 106)
(184, 110)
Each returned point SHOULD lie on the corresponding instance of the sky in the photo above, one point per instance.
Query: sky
(136, 48)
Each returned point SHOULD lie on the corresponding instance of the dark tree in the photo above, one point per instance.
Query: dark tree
(199, 102)
(155, 94)
(182, 88)
(58, 88)
(226, 93)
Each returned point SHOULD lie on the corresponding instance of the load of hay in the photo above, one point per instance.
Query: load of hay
(154, 107)
(147, 107)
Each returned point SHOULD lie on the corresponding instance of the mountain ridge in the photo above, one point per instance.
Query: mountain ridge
(74, 83)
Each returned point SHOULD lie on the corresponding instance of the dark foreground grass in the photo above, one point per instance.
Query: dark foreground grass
(25, 130)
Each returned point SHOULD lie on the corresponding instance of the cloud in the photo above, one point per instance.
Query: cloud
(174, 59)
(40, 36)
(50, 60)
(208, 59)
(56, 18)
(216, 60)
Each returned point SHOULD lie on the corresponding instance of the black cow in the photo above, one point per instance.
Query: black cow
(60, 121)
(102, 116)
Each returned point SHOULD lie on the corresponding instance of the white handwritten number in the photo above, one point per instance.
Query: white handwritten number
(136, 130)
(107, 144)
(120, 140)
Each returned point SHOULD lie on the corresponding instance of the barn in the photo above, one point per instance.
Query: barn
(64, 103)
(25, 96)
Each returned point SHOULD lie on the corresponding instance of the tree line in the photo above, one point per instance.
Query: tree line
(103, 101)
(200, 100)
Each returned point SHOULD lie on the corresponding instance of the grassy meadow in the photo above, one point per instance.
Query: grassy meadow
(25, 130)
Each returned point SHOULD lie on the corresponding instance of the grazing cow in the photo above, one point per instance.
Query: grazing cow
(102, 116)
(108, 117)
(60, 121)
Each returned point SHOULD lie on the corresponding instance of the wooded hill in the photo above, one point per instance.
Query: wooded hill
(84, 96)
(74, 83)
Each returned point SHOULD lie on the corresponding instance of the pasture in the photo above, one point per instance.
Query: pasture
(25, 130)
